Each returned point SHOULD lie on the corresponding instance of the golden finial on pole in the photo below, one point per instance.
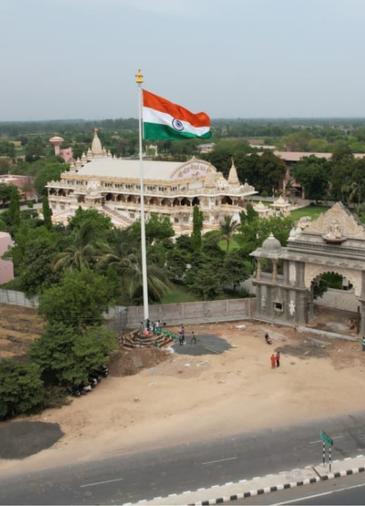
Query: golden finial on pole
(139, 77)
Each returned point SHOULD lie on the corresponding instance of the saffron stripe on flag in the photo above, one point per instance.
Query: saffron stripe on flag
(177, 111)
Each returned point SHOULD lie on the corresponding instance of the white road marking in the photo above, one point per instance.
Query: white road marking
(95, 483)
(320, 441)
(319, 495)
(219, 460)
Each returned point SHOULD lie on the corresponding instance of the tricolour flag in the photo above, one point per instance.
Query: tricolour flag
(163, 119)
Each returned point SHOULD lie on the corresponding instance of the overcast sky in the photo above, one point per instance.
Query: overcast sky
(231, 58)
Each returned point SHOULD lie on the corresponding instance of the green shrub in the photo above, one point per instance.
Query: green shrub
(21, 388)
(66, 357)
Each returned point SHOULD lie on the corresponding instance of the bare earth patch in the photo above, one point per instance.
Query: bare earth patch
(19, 326)
(194, 397)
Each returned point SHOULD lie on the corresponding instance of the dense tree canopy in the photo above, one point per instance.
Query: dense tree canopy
(78, 300)
(21, 388)
(66, 356)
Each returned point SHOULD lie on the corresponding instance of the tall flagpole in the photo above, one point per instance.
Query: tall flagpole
(139, 81)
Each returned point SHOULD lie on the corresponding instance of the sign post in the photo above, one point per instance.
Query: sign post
(326, 440)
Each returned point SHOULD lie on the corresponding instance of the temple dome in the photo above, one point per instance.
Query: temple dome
(271, 244)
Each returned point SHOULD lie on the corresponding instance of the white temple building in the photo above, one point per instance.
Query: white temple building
(111, 185)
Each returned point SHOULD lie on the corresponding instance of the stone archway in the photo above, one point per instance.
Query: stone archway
(333, 302)
(334, 242)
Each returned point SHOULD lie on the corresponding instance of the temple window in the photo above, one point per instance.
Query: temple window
(278, 307)
(227, 200)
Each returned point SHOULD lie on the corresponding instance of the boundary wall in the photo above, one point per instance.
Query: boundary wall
(121, 317)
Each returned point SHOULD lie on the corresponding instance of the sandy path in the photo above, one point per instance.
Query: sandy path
(193, 398)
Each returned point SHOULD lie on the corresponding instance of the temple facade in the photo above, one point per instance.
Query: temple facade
(112, 186)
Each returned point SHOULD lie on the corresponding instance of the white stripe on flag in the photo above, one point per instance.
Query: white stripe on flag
(162, 118)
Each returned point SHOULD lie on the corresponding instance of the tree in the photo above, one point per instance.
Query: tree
(78, 300)
(158, 228)
(249, 214)
(66, 357)
(227, 228)
(247, 166)
(271, 170)
(98, 225)
(47, 213)
(236, 268)
(21, 388)
(14, 208)
(6, 192)
(45, 171)
(313, 174)
(88, 240)
(34, 149)
(207, 282)
(196, 236)
(129, 268)
(32, 255)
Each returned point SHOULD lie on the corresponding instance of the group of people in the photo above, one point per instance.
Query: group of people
(275, 357)
(193, 339)
(151, 327)
(275, 360)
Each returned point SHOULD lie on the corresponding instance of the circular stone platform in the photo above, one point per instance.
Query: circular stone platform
(206, 345)
(21, 439)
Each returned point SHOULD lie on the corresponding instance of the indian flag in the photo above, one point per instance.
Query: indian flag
(163, 119)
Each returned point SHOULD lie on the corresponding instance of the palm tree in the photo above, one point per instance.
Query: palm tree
(227, 228)
(351, 192)
(129, 266)
(82, 253)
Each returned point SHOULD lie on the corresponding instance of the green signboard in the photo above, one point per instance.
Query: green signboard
(326, 438)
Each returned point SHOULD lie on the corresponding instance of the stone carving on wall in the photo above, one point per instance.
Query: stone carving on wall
(197, 168)
(334, 221)
(263, 301)
(292, 273)
(334, 233)
(291, 308)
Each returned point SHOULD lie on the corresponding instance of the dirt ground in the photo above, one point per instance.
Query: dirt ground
(19, 326)
(195, 397)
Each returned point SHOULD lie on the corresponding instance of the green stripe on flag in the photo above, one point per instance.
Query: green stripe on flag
(156, 132)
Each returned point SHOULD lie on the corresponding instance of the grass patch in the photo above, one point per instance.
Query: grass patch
(311, 211)
(179, 294)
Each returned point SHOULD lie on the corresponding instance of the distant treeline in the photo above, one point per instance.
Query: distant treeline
(222, 127)
(18, 128)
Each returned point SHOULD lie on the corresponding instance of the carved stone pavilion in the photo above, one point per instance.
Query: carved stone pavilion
(111, 185)
(334, 242)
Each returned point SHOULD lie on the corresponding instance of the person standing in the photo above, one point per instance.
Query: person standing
(273, 361)
(182, 330)
(193, 337)
(277, 359)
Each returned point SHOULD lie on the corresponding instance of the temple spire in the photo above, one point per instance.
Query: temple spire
(96, 147)
(232, 177)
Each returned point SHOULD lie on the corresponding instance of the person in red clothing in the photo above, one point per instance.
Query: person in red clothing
(277, 359)
(273, 361)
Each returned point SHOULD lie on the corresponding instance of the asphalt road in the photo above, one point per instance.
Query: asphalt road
(124, 478)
